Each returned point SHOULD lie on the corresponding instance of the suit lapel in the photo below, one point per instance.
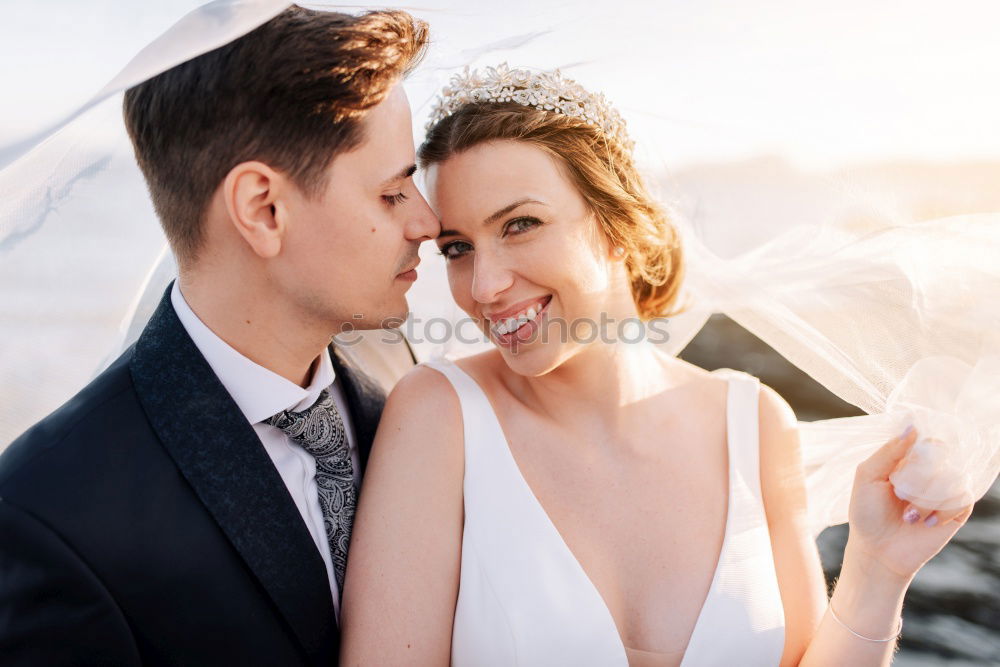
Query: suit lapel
(365, 400)
(222, 458)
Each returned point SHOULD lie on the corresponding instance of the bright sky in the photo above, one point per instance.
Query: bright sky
(711, 80)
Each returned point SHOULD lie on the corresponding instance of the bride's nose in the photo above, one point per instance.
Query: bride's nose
(490, 277)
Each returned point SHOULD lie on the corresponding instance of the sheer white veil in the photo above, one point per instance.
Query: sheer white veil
(898, 317)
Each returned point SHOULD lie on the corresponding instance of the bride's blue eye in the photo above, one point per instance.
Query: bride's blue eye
(455, 249)
(520, 225)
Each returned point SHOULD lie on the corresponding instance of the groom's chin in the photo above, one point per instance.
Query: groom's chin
(395, 320)
(391, 318)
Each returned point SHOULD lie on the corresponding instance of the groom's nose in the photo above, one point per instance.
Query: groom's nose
(423, 225)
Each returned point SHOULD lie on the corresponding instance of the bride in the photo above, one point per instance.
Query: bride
(574, 495)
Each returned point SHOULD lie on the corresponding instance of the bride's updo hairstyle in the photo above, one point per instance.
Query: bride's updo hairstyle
(587, 136)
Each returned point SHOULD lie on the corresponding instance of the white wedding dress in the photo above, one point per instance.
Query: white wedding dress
(524, 599)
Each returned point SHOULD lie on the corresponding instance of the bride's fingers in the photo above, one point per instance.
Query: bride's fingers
(942, 516)
(960, 515)
(913, 514)
(880, 465)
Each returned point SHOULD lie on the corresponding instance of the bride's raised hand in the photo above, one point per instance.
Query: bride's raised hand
(890, 532)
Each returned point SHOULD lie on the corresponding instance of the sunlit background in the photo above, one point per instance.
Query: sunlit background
(821, 84)
(749, 117)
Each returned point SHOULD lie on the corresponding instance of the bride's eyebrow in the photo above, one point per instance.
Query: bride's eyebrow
(496, 215)
(508, 208)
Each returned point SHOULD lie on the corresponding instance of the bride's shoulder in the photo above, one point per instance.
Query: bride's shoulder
(427, 389)
(422, 406)
(420, 423)
(782, 477)
(424, 390)
(682, 370)
(776, 417)
(709, 387)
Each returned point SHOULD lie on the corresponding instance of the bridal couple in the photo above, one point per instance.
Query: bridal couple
(549, 502)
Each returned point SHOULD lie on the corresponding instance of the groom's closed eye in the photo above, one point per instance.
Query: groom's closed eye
(396, 181)
(394, 199)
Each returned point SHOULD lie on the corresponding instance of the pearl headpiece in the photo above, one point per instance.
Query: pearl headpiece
(550, 91)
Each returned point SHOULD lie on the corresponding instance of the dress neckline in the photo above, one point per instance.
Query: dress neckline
(537, 505)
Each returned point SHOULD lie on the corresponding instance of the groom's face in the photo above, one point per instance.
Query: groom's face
(353, 248)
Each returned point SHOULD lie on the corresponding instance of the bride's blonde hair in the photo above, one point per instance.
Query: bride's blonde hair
(604, 173)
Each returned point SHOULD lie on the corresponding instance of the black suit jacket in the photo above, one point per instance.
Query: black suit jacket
(143, 523)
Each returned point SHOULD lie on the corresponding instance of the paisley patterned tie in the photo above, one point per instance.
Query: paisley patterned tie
(320, 431)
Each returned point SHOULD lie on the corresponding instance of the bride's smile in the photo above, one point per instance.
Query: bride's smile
(512, 323)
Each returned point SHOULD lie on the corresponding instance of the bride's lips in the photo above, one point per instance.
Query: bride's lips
(495, 316)
(527, 331)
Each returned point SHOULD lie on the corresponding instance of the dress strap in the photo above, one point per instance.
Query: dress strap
(743, 433)
(744, 592)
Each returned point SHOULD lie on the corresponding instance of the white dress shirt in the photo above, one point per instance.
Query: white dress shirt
(260, 394)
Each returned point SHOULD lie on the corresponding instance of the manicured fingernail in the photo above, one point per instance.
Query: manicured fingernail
(911, 515)
(931, 520)
(908, 431)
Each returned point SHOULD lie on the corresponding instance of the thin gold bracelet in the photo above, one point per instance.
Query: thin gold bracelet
(899, 629)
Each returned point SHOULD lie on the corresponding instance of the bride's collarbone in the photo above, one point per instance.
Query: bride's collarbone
(663, 423)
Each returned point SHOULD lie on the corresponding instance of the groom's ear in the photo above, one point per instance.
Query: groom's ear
(250, 191)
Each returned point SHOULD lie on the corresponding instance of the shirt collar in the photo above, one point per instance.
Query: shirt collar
(258, 391)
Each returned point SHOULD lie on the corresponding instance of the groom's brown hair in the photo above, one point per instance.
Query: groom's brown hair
(291, 94)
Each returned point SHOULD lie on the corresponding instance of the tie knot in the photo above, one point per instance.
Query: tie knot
(319, 428)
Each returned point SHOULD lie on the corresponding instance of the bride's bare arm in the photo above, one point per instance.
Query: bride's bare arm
(403, 566)
(882, 556)
(796, 558)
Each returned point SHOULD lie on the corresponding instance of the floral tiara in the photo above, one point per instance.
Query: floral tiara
(550, 91)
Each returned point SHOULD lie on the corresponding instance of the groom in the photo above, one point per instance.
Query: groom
(193, 504)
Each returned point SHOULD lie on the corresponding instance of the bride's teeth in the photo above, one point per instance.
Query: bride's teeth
(512, 324)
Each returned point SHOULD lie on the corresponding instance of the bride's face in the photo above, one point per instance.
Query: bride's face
(526, 257)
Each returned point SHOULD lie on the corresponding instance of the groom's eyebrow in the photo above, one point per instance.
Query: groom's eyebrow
(400, 175)
(496, 215)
